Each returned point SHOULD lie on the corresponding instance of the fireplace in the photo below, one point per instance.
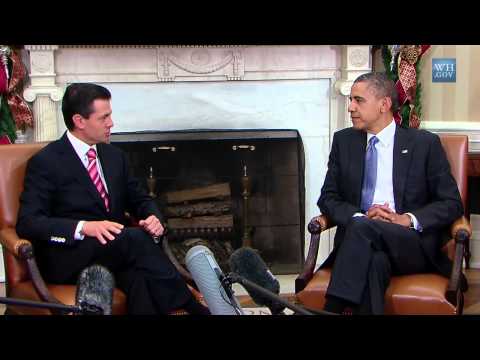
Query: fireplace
(258, 177)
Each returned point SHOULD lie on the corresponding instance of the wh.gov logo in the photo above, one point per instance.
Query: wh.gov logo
(444, 70)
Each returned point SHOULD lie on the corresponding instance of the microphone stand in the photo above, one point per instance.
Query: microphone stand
(83, 309)
(249, 285)
(227, 286)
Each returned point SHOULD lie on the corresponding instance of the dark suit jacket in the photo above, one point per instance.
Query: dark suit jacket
(58, 193)
(422, 185)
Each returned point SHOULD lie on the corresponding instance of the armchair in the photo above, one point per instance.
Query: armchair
(23, 278)
(407, 294)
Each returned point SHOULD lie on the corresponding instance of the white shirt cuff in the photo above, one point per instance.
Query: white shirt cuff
(416, 224)
(77, 235)
(358, 214)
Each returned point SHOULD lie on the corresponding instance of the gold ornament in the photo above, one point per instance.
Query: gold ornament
(410, 53)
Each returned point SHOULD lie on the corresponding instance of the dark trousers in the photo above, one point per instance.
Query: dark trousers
(370, 253)
(141, 270)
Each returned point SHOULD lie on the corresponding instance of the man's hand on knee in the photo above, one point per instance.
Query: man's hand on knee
(102, 230)
(400, 219)
(384, 213)
(152, 225)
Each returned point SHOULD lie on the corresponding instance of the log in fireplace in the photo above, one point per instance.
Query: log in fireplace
(226, 189)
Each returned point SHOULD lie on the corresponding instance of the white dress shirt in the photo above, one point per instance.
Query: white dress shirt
(384, 185)
(81, 148)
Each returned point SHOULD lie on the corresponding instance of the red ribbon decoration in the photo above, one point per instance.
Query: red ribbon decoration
(21, 112)
(3, 78)
(406, 86)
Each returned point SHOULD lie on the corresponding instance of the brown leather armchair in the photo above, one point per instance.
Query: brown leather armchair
(23, 279)
(408, 294)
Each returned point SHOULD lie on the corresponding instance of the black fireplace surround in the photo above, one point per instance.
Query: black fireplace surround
(274, 161)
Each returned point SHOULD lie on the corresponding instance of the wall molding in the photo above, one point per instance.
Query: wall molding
(226, 62)
(86, 46)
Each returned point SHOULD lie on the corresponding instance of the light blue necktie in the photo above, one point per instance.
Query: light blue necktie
(369, 175)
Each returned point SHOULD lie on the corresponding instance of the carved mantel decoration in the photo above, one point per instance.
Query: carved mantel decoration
(204, 61)
(173, 63)
(53, 67)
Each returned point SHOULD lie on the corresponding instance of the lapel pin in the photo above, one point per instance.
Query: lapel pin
(404, 151)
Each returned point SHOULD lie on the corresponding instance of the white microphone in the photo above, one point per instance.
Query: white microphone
(207, 275)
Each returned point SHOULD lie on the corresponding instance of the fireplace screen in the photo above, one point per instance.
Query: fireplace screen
(225, 189)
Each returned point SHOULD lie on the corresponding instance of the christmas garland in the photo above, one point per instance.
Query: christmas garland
(15, 113)
(7, 123)
(402, 66)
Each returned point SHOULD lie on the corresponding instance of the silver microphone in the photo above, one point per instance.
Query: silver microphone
(209, 278)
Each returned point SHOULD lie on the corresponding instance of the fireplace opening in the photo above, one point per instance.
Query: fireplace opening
(226, 189)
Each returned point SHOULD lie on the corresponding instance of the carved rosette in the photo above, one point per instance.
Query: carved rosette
(42, 73)
(41, 60)
(204, 62)
(355, 61)
(358, 57)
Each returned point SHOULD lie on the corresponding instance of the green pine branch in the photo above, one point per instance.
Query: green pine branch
(7, 124)
(393, 75)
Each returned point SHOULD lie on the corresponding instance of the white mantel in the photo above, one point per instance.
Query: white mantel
(145, 68)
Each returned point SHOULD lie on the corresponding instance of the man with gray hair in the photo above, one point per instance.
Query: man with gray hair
(390, 191)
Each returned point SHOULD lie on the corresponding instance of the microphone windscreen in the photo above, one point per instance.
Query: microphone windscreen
(205, 271)
(95, 289)
(248, 264)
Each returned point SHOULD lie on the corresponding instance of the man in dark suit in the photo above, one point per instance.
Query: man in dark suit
(391, 194)
(73, 208)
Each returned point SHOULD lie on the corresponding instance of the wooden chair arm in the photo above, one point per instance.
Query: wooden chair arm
(461, 231)
(13, 244)
(315, 228)
(319, 223)
(461, 223)
(23, 250)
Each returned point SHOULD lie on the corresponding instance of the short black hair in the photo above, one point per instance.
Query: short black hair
(382, 85)
(79, 98)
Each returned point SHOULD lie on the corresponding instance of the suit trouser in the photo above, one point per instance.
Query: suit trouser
(141, 269)
(370, 253)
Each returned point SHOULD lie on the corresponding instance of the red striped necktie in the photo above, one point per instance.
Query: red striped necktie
(95, 176)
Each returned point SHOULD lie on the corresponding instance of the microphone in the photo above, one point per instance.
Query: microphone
(211, 282)
(249, 265)
(94, 295)
(95, 291)
(251, 272)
